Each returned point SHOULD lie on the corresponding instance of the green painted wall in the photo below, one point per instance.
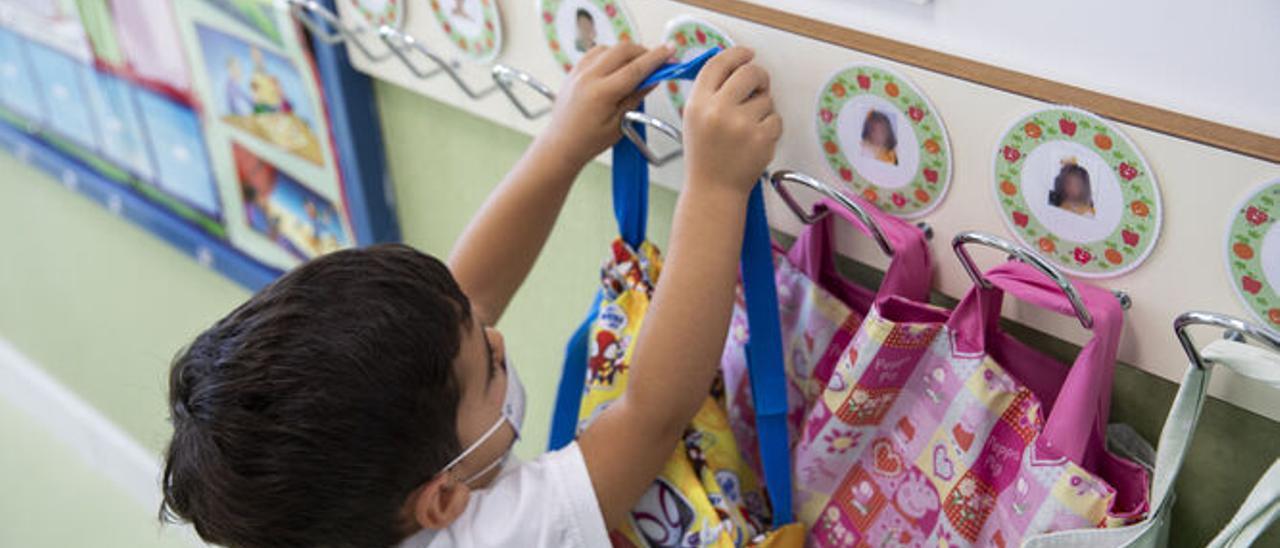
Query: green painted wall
(104, 306)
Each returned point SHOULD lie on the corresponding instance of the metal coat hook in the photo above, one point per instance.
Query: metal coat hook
(787, 176)
(400, 42)
(1235, 329)
(505, 77)
(1029, 257)
(628, 129)
(308, 11)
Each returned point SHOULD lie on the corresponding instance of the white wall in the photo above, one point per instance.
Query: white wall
(1218, 60)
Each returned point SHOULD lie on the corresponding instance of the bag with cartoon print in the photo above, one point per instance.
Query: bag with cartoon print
(819, 309)
(706, 493)
(937, 429)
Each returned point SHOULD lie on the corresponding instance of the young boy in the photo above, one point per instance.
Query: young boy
(364, 399)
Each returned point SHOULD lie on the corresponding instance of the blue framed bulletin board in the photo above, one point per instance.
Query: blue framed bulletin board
(215, 124)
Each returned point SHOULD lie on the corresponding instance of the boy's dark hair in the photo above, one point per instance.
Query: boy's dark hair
(584, 14)
(308, 415)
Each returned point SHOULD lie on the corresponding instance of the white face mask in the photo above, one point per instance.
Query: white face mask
(512, 413)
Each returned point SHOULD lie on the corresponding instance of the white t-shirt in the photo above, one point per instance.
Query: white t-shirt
(545, 502)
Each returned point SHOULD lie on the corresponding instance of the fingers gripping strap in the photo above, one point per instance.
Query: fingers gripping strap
(630, 169)
(764, 357)
(687, 70)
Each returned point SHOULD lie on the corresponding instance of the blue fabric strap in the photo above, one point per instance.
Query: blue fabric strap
(687, 70)
(631, 170)
(564, 416)
(764, 357)
(631, 189)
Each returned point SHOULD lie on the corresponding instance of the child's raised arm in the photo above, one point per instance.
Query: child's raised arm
(730, 131)
(496, 251)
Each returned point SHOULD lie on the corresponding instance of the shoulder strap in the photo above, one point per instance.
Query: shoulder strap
(1262, 507)
(631, 189)
(564, 413)
(910, 271)
(1259, 511)
(764, 357)
(631, 210)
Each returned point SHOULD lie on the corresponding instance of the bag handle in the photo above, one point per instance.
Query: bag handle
(1262, 507)
(910, 271)
(765, 365)
(1251, 362)
(1259, 510)
(1087, 386)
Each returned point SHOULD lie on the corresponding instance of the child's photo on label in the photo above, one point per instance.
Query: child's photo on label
(1072, 191)
(583, 26)
(878, 142)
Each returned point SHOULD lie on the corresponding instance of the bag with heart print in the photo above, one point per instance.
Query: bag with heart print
(819, 310)
(938, 429)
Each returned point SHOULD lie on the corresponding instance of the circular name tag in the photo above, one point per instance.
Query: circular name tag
(573, 27)
(1077, 191)
(1253, 253)
(881, 136)
(473, 26)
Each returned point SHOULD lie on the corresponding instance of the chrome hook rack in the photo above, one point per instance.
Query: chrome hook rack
(778, 180)
(629, 121)
(318, 20)
(505, 77)
(401, 44)
(1233, 328)
(328, 27)
(1031, 258)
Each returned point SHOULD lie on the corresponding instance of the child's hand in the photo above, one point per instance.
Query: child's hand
(730, 127)
(587, 116)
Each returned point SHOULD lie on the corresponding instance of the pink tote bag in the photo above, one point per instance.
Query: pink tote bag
(819, 311)
(937, 429)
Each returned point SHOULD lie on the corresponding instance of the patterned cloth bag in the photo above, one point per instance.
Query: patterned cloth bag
(936, 429)
(706, 494)
(819, 311)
